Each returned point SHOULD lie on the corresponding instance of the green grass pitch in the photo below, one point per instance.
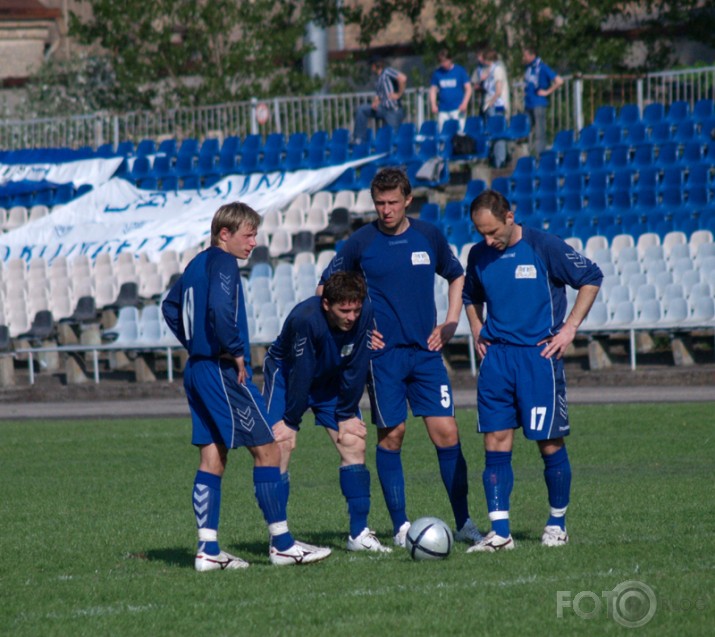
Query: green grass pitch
(98, 536)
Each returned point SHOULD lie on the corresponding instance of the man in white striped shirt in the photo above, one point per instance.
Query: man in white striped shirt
(385, 106)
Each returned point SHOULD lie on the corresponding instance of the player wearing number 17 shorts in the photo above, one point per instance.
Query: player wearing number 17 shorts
(399, 258)
(519, 274)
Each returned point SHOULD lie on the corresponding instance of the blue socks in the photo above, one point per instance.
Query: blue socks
(355, 485)
(206, 499)
(392, 481)
(498, 480)
(557, 473)
(453, 469)
(271, 494)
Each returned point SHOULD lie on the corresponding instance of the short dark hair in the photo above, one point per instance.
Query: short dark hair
(444, 54)
(493, 201)
(344, 287)
(376, 60)
(233, 216)
(389, 179)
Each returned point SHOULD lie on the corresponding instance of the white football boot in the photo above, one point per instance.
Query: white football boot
(400, 538)
(367, 541)
(299, 553)
(554, 535)
(221, 562)
(491, 543)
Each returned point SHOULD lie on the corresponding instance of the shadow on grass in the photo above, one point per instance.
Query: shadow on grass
(172, 556)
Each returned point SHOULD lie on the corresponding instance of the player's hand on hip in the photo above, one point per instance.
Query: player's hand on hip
(242, 373)
(557, 344)
(284, 435)
(481, 346)
(440, 336)
(375, 341)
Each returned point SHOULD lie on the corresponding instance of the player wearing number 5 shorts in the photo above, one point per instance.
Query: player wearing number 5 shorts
(399, 258)
(206, 311)
(519, 274)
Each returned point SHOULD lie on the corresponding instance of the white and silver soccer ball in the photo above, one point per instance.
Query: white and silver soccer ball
(429, 539)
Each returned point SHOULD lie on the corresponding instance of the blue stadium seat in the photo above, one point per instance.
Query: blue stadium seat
(589, 137)
(228, 162)
(653, 113)
(190, 146)
(453, 211)
(125, 148)
(563, 141)
(668, 154)
(678, 111)
(548, 163)
(168, 147)
(210, 146)
(571, 161)
(685, 131)
(605, 116)
(525, 166)
(231, 144)
(629, 114)
(474, 126)
(637, 133)
(427, 129)
(613, 135)
(519, 127)
(146, 147)
(430, 212)
(661, 132)
(502, 185)
(620, 157)
(475, 187)
(644, 155)
(704, 109)
(272, 160)
(496, 127)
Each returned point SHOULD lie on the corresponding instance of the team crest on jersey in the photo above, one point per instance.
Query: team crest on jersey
(347, 350)
(420, 258)
(525, 272)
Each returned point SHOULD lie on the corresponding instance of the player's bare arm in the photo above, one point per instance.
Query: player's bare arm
(475, 316)
(442, 334)
(556, 345)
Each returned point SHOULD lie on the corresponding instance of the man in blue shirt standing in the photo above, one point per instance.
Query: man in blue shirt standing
(386, 105)
(399, 258)
(320, 361)
(450, 91)
(206, 311)
(540, 81)
(519, 273)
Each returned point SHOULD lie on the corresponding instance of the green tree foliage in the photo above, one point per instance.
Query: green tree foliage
(573, 35)
(186, 52)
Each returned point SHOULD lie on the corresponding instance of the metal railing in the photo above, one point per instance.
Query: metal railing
(571, 107)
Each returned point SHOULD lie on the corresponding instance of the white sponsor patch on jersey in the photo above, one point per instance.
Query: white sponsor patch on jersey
(420, 258)
(347, 350)
(525, 272)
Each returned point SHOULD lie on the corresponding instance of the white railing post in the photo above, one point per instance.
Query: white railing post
(420, 107)
(254, 123)
(277, 115)
(639, 95)
(115, 131)
(578, 104)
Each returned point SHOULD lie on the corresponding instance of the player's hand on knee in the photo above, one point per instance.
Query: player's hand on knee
(349, 430)
(284, 435)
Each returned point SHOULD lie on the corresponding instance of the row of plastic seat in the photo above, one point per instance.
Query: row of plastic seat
(41, 195)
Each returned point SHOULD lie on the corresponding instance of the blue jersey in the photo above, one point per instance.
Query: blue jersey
(206, 309)
(537, 76)
(523, 286)
(319, 361)
(451, 86)
(400, 272)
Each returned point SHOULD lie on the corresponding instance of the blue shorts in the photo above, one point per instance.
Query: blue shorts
(322, 401)
(409, 374)
(222, 411)
(518, 387)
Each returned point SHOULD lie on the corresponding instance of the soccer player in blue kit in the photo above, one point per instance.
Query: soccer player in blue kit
(519, 274)
(206, 311)
(399, 258)
(320, 361)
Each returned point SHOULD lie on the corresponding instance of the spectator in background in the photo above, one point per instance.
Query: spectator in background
(540, 81)
(496, 99)
(477, 79)
(386, 106)
(450, 91)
